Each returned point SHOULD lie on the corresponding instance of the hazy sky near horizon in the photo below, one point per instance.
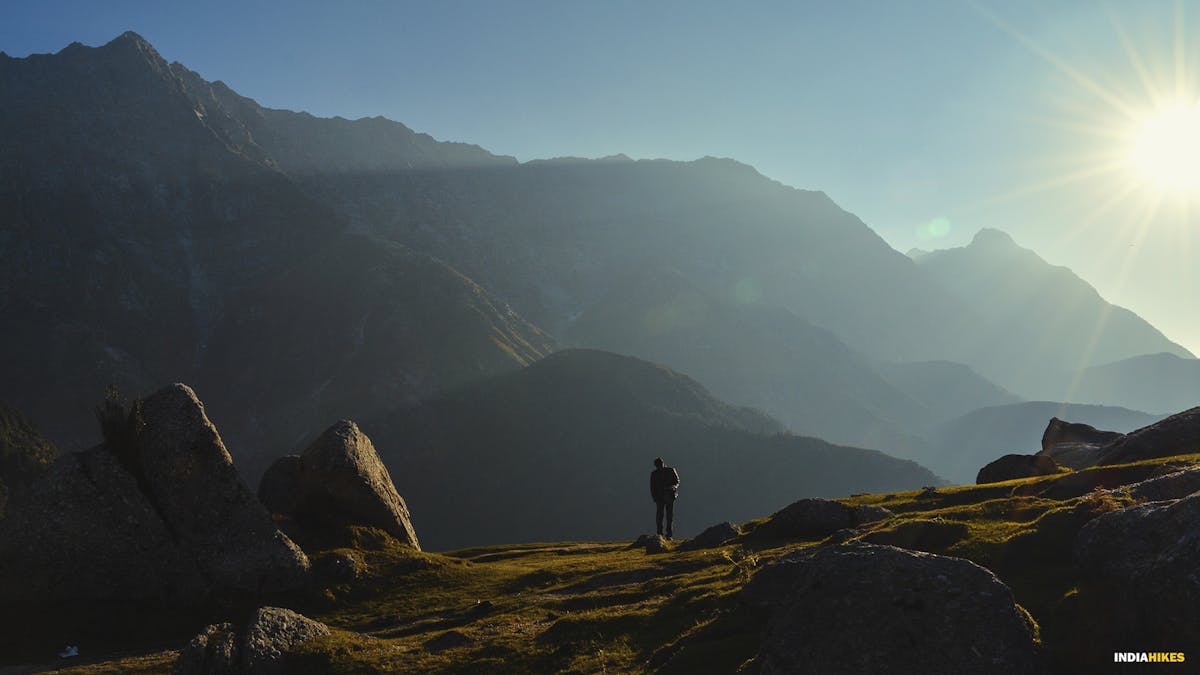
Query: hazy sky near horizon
(929, 120)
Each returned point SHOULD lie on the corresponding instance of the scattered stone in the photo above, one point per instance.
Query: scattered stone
(448, 640)
(711, 537)
(1010, 467)
(862, 608)
(262, 649)
(338, 480)
(657, 544)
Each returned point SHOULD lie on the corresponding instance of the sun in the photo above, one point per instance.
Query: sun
(1165, 148)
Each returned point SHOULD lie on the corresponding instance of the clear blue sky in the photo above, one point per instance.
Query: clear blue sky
(906, 113)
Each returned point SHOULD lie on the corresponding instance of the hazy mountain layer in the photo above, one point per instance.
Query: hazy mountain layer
(964, 445)
(1159, 382)
(1039, 320)
(563, 450)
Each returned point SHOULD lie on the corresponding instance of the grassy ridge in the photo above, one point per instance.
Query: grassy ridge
(604, 607)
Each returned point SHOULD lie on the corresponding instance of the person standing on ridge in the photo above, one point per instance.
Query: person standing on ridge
(664, 489)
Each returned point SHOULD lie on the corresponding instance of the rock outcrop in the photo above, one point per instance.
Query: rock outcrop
(1175, 485)
(261, 649)
(1073, 444)
(862, 608)
(338, 480)
(157, 513)
(711, 537)
(1010, 467)
(1179, 434)
(817, 518)
(1079, 446)
(1138, 569)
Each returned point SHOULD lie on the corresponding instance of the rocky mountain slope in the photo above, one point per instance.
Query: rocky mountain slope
(565, 446)
(160, 227)
(145, 243)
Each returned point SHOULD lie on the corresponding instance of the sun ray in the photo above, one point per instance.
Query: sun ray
(1180, 55)
(1103, 208)
(1059, 63)
(1140, 231)
(1135, 58)
(1082, 174)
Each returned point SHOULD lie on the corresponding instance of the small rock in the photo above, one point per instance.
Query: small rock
(448, 640)
(213, 652)
(1010, 467)
(711, 537)
(272, 633)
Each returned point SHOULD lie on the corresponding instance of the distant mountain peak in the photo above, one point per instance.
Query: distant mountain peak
(130, 36)
(993, 238)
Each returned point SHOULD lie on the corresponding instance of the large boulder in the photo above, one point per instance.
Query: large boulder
(338, 479)
(1009, 467)
(1078, 445)
(863, 608)
(189, 476)
(261, 648)
(817, 518)
(158, 512)
(1139, 567)
(85, 531)
(1073, 444)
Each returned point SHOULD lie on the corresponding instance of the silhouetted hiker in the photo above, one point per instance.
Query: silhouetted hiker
(664, 488)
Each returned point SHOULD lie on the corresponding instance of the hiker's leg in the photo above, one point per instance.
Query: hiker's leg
(658, 514)
(670, 517)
